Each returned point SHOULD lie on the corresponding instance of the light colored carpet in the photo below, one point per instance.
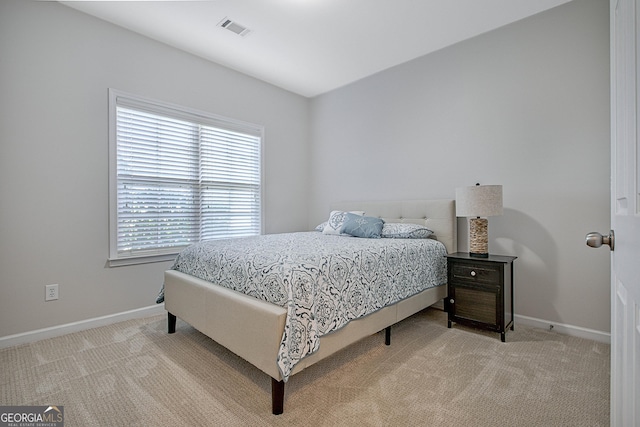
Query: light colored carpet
(135, 374)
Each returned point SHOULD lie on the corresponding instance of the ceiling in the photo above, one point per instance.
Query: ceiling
(310, 47)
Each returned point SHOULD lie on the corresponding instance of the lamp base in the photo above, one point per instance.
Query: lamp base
(478, 238)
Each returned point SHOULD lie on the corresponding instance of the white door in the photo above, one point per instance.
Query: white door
(625, 213)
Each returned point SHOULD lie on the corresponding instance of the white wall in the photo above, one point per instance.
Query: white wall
(525, 106)
(56, 65)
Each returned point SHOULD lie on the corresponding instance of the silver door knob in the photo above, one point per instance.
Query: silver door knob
(595, 240)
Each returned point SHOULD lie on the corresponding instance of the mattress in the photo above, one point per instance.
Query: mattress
(324, 281)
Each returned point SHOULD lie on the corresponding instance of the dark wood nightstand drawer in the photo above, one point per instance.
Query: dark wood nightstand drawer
(474, 304)
(477, 273)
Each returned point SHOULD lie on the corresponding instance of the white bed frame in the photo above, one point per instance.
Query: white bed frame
(252, 329)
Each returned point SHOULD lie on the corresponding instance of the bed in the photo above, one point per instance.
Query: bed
(291, 334)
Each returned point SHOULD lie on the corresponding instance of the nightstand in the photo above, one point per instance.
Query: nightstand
(480, 291)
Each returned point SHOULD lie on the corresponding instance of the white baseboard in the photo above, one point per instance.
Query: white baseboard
(575, 331)
(56, 331)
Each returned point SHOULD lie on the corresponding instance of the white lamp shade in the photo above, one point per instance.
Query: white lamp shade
(479, 201)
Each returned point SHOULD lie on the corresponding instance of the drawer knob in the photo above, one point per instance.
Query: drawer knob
(473, 274)
(452, 300)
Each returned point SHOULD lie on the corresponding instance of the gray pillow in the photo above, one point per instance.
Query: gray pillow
(362, 226)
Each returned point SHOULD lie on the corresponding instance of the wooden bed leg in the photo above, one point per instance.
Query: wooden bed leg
(277, 396)
(387, 335)
(171, 323)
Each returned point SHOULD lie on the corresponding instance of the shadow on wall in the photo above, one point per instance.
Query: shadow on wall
(536, 273)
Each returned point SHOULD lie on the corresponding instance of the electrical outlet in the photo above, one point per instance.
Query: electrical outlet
(50, 292)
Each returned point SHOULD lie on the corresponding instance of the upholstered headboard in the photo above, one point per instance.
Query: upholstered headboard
(438, 215)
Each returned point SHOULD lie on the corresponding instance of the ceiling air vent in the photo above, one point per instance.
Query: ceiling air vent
(234, 27)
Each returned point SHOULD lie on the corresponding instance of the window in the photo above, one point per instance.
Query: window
(178, 176)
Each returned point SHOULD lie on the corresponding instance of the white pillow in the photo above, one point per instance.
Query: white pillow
(336, 221)
(392, 230)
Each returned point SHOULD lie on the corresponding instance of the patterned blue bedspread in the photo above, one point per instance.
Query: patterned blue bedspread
(324, 281)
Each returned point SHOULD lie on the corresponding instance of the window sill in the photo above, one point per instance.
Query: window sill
(146, 259)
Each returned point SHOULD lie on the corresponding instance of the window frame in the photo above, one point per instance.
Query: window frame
(128, 100)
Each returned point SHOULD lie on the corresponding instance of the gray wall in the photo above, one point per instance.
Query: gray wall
(56, 65)
(525, 106)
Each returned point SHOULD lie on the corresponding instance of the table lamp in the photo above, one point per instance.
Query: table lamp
(477, 203)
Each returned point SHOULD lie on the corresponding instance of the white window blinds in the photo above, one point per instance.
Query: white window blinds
(180, 177)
